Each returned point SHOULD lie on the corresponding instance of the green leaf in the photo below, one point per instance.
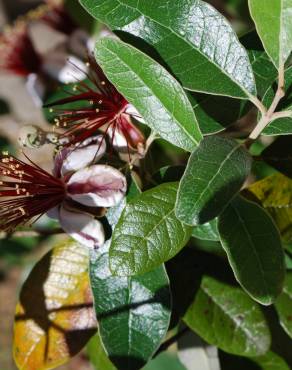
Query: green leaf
(226, 317)
(215, 173)
(264, 70)
(207, 231)
(215, 113)
(158, 97)
(280, 126)
(284, 305)
(148, 233)
(254, 250)
(194, 39)
(271, 361)
(268, 361)
(97, 355)
(273, 23)
(133, 312)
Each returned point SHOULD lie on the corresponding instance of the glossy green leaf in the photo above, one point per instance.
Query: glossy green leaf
(193, 38)
(215, 113)
(215, 173)
(284, 305)
(280, 126)
(158, 97)
(207, 231)
(225, 316)
(273, 23)
(253, 246)
(264, 70)
(133, 312)
(268, 361)
(271, 361)
(148, 232)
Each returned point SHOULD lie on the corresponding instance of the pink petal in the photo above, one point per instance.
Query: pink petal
(82, 227)
(84, 154)
(132, 111)
(97, 186)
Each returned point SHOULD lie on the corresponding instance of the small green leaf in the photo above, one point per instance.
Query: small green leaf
(271, 361)
(133, 312)
(97, 355)
(273, 23)
(207, 231)
(254, 250)
(158, 97)
(226, 317)
(284, 305)
(194, 39)
(280, 126)
(215, 173)
(148, 232)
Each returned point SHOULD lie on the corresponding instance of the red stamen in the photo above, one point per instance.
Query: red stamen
(105, 107)
(26, 191)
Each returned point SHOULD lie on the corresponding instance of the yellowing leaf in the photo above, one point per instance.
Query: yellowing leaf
(54, 316)
(275, 194)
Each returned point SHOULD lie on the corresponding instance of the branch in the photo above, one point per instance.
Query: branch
(269, 115)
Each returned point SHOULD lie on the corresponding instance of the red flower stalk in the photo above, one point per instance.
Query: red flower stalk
(102, 108)
(26, 191)
(17, 53)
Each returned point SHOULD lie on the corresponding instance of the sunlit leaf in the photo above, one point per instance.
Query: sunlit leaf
(148, 232)
(54, 316)
(275, 195)
(284, 305)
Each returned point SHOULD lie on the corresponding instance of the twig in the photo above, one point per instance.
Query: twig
(269, 115)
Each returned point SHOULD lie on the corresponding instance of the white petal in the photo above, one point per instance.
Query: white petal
(97, 186)
(64, 69)
(119, 141)
(132, 111)
(36, 88)
(82, 227)
(88, 152)
(54, 213)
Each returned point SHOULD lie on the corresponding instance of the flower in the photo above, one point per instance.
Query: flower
(106, 109)
(17, 52)
(71, 194)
